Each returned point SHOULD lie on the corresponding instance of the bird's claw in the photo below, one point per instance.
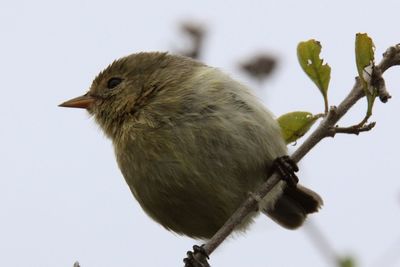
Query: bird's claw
(286, 167)
(192, 261)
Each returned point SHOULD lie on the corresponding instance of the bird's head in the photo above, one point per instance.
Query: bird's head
(140, 90)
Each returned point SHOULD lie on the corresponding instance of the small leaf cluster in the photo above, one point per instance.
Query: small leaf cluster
(295, 124)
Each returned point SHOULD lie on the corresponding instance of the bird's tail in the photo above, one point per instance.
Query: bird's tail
(292, 207)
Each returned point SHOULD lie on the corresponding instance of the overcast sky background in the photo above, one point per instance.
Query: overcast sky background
(62, 197)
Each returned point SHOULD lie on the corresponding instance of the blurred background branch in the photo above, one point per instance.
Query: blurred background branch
(259, 66)
(195, 32)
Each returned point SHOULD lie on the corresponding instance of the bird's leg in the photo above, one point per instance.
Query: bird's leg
(192, 261)
(286, 167)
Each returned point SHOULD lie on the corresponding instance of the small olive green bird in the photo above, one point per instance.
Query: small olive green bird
(191, 142)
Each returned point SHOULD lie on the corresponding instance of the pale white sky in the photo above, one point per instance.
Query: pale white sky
(62, 197)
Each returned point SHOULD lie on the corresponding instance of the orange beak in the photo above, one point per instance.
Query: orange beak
(84, 101)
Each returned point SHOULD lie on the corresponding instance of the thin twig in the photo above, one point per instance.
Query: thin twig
(378, 82)
(321, 242)
(355, 129)
(364, 120)
(391, 58)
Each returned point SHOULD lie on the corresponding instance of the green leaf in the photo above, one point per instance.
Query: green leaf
(364, 56)
(295, 124)
(364, 50)
(308, 54)
(347, 262)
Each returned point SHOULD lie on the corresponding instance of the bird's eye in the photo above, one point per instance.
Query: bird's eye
(113, 82)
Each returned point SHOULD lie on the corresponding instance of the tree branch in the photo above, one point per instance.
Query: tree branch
(390, 58)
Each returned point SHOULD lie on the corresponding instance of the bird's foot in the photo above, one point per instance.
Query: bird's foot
(286, 167)
(192, 261)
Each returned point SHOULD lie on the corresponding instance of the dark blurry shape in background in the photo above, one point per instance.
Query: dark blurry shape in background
(260, 66)
(196, 33)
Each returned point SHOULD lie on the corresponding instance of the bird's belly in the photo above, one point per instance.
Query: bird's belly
(190, 206)
(186, 208)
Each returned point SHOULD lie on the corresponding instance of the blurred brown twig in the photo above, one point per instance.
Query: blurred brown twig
(196, 33)
(259, 67)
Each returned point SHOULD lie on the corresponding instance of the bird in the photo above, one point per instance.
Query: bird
(192, 143)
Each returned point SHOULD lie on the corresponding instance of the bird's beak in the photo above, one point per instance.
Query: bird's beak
(84, 101)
